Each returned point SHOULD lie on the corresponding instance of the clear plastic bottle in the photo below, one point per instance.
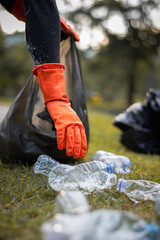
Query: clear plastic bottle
(44, 164)
(99, 225)
(157, 205)
(101, 153)
(138, 189)
(95, 166)
(87, 176)
(120, 164)
(71, 202)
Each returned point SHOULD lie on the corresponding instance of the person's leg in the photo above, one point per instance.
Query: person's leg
(42, 30)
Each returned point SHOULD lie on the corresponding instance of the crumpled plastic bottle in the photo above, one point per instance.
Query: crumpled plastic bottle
(157, 205)
(138, 189)
(99, 225)
(87, 176)
(120, 164)
(71, 202)
(44, 164)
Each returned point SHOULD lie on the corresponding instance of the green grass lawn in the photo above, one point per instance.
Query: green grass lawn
(27, 200)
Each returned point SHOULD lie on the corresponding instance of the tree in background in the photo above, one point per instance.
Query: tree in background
(15, 63)
(124, 65)
(126, 52)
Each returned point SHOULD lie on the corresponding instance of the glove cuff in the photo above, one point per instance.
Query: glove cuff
(51, 80)
(47, 66)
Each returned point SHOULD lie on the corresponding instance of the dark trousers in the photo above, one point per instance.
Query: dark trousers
(43, 31)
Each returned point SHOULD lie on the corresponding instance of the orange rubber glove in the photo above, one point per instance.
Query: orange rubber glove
(70, 130)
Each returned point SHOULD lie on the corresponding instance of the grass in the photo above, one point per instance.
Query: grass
(6, 101)
(26, 199)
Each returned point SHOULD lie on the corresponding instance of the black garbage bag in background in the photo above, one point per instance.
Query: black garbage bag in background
(27, 130)
(140, 124)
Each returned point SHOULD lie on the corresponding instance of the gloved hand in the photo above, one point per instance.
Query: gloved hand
(70, 130)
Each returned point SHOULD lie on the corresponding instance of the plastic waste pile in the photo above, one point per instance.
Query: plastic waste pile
(134, 189)
(98, 174)
(87, 177)
(72, 209)
(74, 221)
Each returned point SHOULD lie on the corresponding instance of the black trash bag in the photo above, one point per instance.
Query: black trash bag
(27, 130)
(140, 124)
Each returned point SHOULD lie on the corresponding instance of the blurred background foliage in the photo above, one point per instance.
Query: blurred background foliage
(15, 64)
(121, 68)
